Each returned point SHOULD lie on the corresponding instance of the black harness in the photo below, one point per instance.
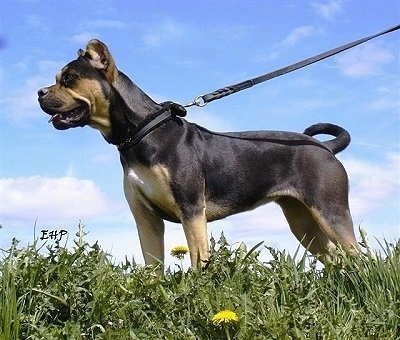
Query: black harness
(168, 111)
(171, 110)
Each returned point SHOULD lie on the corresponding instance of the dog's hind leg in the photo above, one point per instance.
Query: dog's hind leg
(336, 223)
(313, 231)
(304, 227)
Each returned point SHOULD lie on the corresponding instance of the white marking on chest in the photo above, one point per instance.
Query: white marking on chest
(151, 185)
(134, 178)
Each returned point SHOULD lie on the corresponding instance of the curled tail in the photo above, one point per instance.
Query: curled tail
(337, 144)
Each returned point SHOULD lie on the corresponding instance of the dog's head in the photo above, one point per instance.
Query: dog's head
(81, 94)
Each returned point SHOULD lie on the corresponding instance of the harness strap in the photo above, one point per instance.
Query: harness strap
(167, 112)
(202, 100)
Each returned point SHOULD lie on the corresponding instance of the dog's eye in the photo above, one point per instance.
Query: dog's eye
(68, 79)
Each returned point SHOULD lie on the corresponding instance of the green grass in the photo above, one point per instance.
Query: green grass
(82, 294)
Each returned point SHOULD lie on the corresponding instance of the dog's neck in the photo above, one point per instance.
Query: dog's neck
(133, 106)
(137, 101)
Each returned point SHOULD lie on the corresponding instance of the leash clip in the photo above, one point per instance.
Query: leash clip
(198, 101)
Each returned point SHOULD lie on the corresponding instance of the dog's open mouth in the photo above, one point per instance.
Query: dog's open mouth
(79, 116)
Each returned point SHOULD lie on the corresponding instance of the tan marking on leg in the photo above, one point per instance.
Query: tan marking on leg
(150, 226)
(305, 228)
(314, 231)
(339, 231)
(151, 234)
(197, 239)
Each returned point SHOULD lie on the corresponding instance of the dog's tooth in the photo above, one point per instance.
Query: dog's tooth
(52, 117)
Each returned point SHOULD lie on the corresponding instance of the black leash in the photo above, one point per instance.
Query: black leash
(202, 100)
(171, 110)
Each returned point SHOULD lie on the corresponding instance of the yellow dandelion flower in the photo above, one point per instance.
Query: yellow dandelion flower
(179, 251)
(225, 317)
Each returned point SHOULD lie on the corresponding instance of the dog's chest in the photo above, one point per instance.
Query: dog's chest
(151, 186)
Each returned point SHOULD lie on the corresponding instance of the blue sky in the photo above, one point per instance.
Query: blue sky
(176, 50)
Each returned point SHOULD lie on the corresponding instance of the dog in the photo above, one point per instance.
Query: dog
(181, 172)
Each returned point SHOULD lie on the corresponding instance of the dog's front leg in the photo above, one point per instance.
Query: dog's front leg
(151, 234)
(195, 229)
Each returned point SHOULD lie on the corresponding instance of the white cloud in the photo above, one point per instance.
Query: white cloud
(364, 60)
(36, 22)
(47, 66)
(372, 184)
(120, 242)
(328, 10)
(210, 120)
(166, 31)
(50, 199)
(93, 24)
(84, 37)
(298, 34)
(105, 156)
(70, 172)
(385, 104)
(232, 32)
(263, 220)
(22, 102)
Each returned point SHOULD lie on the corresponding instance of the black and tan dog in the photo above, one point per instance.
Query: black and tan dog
(178, 171)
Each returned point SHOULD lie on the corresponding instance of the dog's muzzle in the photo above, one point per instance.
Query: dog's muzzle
(62, 120)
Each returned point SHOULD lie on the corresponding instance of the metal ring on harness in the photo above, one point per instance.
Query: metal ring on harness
(198, 101)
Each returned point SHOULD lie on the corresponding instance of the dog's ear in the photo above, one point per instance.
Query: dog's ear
(100, 58)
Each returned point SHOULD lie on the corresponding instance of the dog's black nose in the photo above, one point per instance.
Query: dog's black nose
(42, 92)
